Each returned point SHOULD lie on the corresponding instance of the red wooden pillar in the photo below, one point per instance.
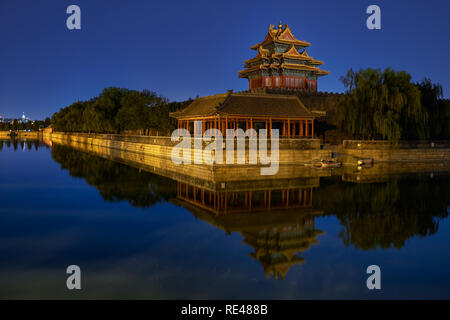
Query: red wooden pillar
(289, 128)
(270, 132)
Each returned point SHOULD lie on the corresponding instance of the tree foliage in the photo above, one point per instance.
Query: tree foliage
(381, 105)
(115, 181)
(438, 109)
(117, 110)
(385, 214)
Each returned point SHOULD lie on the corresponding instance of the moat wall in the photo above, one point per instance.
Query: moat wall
(153, 154)
(383, 151)
(291, 151)
(21, 134)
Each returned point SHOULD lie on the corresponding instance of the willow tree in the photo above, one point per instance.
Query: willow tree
(378, 104)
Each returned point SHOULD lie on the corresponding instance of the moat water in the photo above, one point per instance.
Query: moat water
(135, 234)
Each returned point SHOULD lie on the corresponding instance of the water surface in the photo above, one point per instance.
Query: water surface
(136, 234)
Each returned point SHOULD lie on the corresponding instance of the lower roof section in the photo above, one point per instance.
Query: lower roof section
(245, 104)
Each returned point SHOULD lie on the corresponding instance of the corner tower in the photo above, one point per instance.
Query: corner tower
(282, 62)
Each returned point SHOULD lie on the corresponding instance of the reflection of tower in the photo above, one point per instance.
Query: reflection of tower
(278, 224)
(244, 201)
(280, 247)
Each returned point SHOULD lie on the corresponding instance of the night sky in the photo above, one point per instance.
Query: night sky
(182, 49)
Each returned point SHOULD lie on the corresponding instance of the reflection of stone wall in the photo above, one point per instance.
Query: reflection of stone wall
(27, 135)
(405, 152)
(383, 171)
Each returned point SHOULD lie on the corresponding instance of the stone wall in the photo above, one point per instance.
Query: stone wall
(21, 134)
(291, 151)
(383, 151)
(153, 157)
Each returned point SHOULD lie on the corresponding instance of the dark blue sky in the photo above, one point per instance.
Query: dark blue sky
(186, 48)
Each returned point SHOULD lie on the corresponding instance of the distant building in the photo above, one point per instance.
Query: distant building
(7, 120)
(24, 119)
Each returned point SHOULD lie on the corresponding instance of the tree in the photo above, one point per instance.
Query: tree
(437, 108)
(116, 110)
(139, 110)
(381, 105)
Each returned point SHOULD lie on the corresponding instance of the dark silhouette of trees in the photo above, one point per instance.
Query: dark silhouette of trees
(387, 105)
(438, 109)
(381, 104)
(386, 214)
(118, 110)
(115, 181)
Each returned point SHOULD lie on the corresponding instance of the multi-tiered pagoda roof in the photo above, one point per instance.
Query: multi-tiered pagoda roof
(281, 67)
(282, 62)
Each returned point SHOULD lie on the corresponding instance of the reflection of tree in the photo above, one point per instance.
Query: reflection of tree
(115, 181)
(386, 214)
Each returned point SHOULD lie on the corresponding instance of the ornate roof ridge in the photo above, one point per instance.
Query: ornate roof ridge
(212, 96)
(283, 35)
(262, 94)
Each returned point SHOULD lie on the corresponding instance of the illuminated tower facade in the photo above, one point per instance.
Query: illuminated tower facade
(282, 62)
